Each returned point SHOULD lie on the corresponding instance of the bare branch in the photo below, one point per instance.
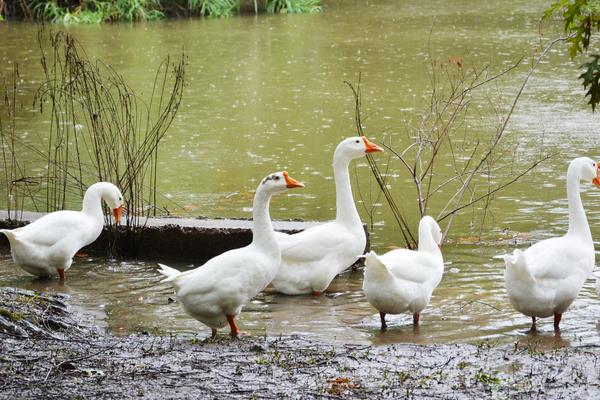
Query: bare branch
(497, 189)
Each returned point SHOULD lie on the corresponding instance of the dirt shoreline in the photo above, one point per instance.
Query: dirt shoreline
(49, 351)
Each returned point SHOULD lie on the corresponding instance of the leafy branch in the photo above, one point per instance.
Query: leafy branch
(580, 18)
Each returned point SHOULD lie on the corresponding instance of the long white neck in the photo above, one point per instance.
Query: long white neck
(92, 201)
(426, 242)
(262, 228)
(578, 225)
(344, 202)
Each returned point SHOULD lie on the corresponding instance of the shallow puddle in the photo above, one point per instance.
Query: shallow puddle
(271, 96)
(470, 305)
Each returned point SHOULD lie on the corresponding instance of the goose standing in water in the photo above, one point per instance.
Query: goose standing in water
(46, 246)
(403, 280)
(543, 280)
(215, 292)
(312, 258)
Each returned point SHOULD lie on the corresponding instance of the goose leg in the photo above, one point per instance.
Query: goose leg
(383, 324)
(235, 331)
(62, 275)
(557, 318)
(316, 293)
(416, 319)
(533, 327)
(213, 332)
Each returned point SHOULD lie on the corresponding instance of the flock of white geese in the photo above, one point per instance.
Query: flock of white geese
(541, 281)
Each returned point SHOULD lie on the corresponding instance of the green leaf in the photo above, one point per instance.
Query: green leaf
(591, 81)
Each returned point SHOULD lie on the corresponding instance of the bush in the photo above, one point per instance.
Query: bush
(98, 11)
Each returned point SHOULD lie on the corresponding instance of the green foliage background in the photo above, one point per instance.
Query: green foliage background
(581, 18)
(99, 11)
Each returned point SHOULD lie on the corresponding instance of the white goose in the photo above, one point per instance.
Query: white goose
(545, 279)
(215, 292)
(312, 258)
(403, 280)
(46, 246)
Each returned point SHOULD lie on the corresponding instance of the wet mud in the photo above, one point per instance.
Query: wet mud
(50, 351)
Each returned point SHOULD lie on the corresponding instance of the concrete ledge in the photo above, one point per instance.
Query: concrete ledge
(185, 239)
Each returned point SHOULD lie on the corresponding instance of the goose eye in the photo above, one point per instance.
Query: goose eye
(276, 177)
(357, 141)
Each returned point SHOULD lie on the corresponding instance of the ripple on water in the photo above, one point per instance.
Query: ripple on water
(282, 109)
(469, 305)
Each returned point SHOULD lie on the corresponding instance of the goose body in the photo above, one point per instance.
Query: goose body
(545, 279)
(312, 258)
(216, 292)
(46, 246)
(402, 281)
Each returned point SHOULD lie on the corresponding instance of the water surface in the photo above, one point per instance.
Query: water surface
(470, 305)
(267, 93)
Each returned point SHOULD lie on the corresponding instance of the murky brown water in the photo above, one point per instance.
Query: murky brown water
(268, 93)
(470, 305)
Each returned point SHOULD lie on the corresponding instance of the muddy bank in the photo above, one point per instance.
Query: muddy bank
(70, 358)
(184, 239)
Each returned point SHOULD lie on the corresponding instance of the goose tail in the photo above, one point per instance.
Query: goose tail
(170, 273)
(516, 263)
(374, 264)
(10, 235)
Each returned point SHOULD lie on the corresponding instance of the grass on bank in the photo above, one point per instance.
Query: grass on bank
(100, 11)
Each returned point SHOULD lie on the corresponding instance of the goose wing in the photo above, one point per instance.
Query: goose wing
(52, 228)
(312, 244)
(557, 259)
(409, 265)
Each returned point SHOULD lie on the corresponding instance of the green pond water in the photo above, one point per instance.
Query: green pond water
(267, 93)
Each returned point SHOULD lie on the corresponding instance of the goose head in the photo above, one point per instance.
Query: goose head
(104, 191)
(355, 147)
(429, 226)
(114, 199)
(587, 169)
(278, 182)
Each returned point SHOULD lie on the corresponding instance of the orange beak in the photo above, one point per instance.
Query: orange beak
(596, 180)
(291, 182)
(370, 147)
(117, 214)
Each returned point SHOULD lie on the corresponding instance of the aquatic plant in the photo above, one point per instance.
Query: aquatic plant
(214, 8)
(95, 11)
(100, 130)
(49, 10)
(17, 185)
(451, 167)
(98, 11)
(293, 6)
